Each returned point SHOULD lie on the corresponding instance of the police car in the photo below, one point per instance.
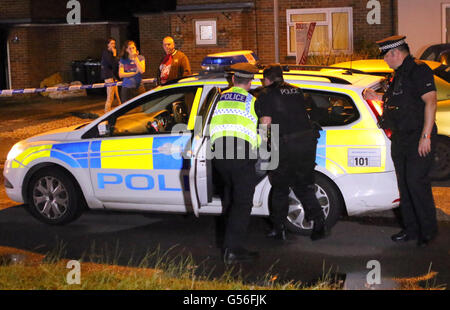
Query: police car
(150, 155)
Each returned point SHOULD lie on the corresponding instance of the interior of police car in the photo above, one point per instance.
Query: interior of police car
(153, 114)
(158, 113)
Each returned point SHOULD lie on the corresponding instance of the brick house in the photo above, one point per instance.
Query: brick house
(36, 40)
(342, 27)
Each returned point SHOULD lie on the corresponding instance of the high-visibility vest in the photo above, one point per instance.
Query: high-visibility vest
(235, 116)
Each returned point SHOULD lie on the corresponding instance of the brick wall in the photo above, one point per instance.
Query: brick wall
(236, 32)
(15, 9)
(44, 50)
(152, 29)
(56, 10)
(253, 29)
(38, 10)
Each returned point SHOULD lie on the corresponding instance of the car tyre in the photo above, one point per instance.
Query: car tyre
(441, 165)
(53, 197)
(329, 198)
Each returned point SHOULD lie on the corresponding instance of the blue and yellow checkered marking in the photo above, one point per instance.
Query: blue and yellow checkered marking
(74, 154)
(151, 153)
(165, 152)
(321, 153)
(165, 161)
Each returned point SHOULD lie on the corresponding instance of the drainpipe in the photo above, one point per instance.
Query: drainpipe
(393, 30)
(276, 31)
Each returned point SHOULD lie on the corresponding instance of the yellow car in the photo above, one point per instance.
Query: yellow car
(441, 168)
(379, 67)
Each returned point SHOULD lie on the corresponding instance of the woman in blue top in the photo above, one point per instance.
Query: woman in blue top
(131, 68)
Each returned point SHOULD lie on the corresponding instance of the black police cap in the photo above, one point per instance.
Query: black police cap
(389, 43)
(244, 70)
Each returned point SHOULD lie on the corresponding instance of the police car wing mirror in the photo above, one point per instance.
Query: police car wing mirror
(103, 129)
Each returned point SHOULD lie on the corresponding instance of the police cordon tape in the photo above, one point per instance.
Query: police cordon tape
(10, 92)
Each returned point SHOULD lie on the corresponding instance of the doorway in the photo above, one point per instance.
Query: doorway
(4, 57)
(445, 22)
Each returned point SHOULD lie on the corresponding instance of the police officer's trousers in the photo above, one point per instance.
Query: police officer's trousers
(296, 171)
(416, 197)
(238, 178)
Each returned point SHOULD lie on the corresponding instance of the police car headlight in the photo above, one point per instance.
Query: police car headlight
(15, 151)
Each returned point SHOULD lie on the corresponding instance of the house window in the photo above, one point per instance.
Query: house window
(333, 32)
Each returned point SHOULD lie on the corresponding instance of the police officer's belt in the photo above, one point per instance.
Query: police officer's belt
(296, 135)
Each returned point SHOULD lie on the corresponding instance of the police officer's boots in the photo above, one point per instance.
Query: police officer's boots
(278, 232)
(320, 230)
(238, 255)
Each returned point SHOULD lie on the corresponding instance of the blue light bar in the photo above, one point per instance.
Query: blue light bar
(216, 61)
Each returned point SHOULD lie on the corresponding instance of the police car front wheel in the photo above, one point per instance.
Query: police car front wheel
(53, 197)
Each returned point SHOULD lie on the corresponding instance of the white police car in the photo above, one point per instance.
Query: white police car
(131, 159)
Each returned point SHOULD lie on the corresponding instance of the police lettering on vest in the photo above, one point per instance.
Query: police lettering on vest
(235, 116)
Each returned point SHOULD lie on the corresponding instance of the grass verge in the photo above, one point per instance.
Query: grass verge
(167, 272)
(22, 270)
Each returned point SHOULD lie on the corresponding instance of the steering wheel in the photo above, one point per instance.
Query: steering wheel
(179, 115)
(159, 123)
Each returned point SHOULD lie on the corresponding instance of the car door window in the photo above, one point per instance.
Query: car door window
(206, 108)
(330, 109)
(156, 113)
(443, 72)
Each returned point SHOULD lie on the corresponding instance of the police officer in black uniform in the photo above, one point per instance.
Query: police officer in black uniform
(410, 111)
(283, 104)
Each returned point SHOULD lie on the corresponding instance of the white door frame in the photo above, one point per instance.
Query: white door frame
(8, 71)
(444, 22)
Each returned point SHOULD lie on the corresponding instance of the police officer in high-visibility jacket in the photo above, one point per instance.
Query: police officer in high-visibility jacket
(234, 139)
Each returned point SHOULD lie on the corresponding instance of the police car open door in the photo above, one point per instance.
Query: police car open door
(200, 174)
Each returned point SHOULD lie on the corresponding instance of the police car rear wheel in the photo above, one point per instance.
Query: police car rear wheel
(329, 199)
(53, 197)
(441, 165)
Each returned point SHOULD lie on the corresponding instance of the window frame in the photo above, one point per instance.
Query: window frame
(198, 23)
(348, 98)
(93, 133)
(328, 22)
(444, 29)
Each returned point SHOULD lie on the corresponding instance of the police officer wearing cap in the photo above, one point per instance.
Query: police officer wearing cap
(410, 112)
(282, 104)
(234, 139)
